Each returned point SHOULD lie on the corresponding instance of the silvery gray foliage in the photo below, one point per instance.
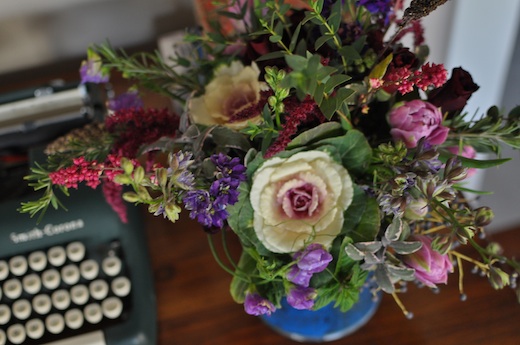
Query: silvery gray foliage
(378, 256)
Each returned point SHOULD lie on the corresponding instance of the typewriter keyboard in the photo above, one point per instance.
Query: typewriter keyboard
(62, 291)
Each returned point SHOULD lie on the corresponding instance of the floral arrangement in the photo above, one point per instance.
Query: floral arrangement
(335, 153)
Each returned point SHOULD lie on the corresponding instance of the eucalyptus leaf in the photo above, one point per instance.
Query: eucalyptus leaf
(403, 273)
(383, 279)
(353, 252)
(368, 247)
(405, 248)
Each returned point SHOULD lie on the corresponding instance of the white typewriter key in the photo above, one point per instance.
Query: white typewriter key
(111, 265)
(75, 251)
(16, 334)
(35, 328)
(70, 274)
(51, 279)
(42, 304)
(22, 309)
(121, 286)
(55, 323)
(93, 313)
(57, 256)
(60, 299)
(112, 307)
(79, 294)
(3, 338)
(37, 260)
(98, 289)
(5, 314)
(12, 288)
(74, 318)
(89, 269)
(32, 283)
(18, 265)
(4, 269)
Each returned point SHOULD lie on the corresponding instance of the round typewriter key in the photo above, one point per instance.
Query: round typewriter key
(93, 313)
(75, 251)
(12, 288)
(98, 289)
(89, 269)
(60, 299)
(57, 256)
(111, 265)
(18, 265)
(121, 286)
(4, 270)
(22, 309)
(5, 314)
(35, 328)
(79, 294)
(42, 304)
(70, 274)
(3, 338)
(112, 307)
(32, 283)
(51, 279)
(74, 318)
(37, 261)
(16, 334)
(55, 323)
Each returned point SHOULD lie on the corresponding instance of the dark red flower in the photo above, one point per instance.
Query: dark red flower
(453, 96)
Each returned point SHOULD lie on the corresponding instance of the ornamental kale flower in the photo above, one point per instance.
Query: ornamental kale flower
(254, 304)
(301, 298)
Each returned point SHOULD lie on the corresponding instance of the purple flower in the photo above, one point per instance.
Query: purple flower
(383, 7)
(125, 100)
(92, 71)
(301, 298)
(430, 266)
(254, 304)
(229, 167)
(198, 202)
(415, 120)
(312, 259)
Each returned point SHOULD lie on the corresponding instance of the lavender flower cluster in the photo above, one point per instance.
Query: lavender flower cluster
(209, 207)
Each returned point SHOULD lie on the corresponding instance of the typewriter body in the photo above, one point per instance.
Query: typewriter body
(80, 276)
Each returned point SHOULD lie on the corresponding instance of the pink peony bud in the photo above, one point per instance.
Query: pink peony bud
(417, 119)
(431, 267)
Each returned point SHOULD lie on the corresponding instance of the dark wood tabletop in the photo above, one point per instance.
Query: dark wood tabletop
(194, 305)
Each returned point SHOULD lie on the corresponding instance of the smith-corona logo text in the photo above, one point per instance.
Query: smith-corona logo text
(46, 231)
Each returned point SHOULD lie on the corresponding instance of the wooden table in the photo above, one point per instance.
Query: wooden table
(194, 305)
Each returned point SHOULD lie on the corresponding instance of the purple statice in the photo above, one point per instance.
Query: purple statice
(312, 259)
(229, 167)
(126, 100)
(92, 70)
(224, 191)
(254, 304)
(199, 203)
(301, 298)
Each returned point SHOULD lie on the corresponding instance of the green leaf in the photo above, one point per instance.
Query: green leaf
(474, 163)
(275, 38)
(379, 70)
(271, 56)
(294, 38)
(362, 217)
(321, 41)
(405, 248)
(296, 62)
(334, 81)
(238, 285)
(325, 130)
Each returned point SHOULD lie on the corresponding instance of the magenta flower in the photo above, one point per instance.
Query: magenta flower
(301, 298)
(415, 120)
(431, 267)
(254, 304)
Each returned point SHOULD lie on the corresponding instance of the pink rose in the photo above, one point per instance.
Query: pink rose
(417, 119)
(431, 267)
(467, 152)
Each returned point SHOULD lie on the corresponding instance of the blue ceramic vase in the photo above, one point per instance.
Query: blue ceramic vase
(325, 324)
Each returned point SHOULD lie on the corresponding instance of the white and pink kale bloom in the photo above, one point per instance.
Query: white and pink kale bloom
(415, 120)
(299, 200)
(431, 267)
(233, 89)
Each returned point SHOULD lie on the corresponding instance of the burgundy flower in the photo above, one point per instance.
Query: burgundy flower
(453, 96)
